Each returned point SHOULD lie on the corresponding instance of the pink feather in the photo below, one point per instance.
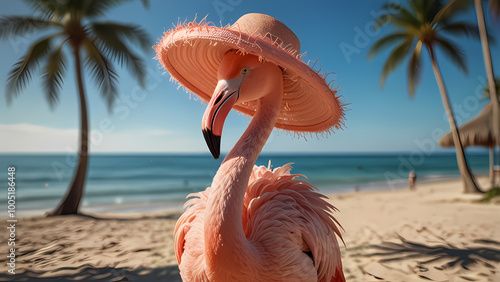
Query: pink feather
(284, 215)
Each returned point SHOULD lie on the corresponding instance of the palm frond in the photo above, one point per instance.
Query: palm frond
(145, 3)
(133, 33)
(97, 8)
(395, 58)
(461, 28)
(428, 21)
(20, 75)
(102, 72)
(455, 54)
(494, 8)
(46, 8)
(398, 15)
(384, 42)
(20, 25)
(425, 10)
(414, 69)
(486, 89)
(113, 46)
(53, 75)
(450, 10)
(390, 9)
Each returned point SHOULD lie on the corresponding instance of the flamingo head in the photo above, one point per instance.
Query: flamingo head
(241, 78)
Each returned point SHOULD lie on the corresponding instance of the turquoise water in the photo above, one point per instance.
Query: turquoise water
(134, 183)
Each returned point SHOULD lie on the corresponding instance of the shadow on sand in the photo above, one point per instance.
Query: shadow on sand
(39, 248)
(89, 273)
(450, 254)
(169, 215)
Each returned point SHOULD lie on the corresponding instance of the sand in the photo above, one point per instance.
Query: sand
(435, 233)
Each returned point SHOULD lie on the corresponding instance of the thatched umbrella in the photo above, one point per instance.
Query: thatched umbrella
(477, 132)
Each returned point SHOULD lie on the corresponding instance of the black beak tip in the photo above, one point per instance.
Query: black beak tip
(213, 142)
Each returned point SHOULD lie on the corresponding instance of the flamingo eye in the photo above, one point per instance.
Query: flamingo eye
(245, 71)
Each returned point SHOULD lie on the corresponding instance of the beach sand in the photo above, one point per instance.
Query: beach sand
(434, 233)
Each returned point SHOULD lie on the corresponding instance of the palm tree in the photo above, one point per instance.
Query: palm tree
(96, 43)
(422, 25)
(494, 7)
(492, 85)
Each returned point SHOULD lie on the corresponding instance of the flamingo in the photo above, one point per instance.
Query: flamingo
(254, 223)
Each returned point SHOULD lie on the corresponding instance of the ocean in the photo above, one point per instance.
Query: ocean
(154, 182)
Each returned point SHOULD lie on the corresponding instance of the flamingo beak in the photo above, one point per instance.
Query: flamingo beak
(225, 95)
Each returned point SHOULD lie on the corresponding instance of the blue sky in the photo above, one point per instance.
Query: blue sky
(163, 118)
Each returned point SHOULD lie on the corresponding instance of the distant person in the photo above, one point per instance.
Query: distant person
(412, 180)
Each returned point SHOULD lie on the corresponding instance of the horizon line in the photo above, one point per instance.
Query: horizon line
(441, 152)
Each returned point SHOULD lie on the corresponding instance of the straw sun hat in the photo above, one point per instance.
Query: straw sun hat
(192, 53)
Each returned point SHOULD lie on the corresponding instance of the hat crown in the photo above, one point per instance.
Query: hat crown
(264, 25)
(192, 53)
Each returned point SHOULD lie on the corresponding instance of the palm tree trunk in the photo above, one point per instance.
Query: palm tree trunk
(492, 166)
(74, 195)
(489, 70)
(470, 185)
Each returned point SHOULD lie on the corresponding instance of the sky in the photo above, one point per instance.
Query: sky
(164, 119)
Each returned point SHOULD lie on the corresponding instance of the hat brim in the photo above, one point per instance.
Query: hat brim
(192, 53)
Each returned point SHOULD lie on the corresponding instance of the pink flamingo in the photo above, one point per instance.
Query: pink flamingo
(253, 223)
(275, 229)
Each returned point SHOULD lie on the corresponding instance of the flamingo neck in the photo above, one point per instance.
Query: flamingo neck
(225, 240)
